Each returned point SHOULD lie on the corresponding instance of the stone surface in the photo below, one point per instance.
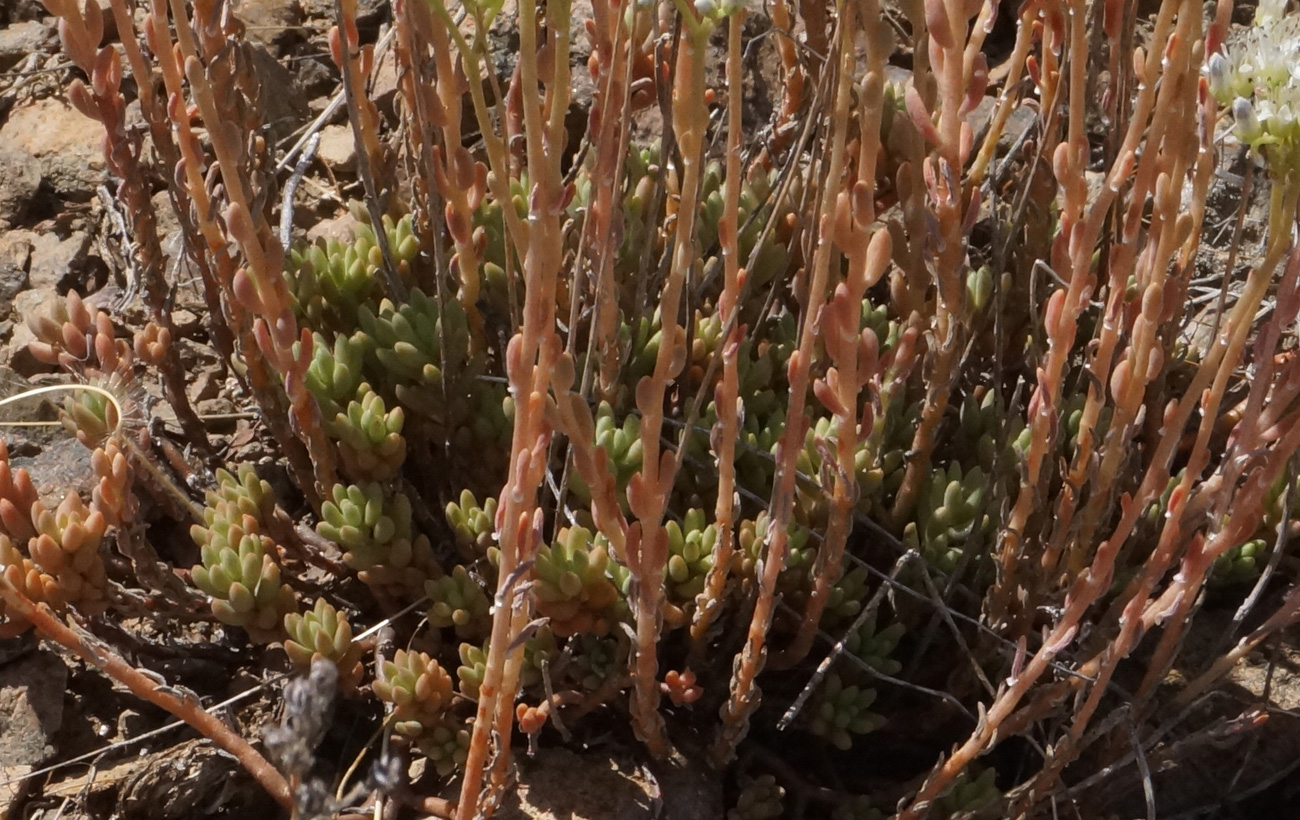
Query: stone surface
(342, 227)
(31, 707)
(14, 354)
(337, 148)
(270, 21)
(286, 109)
(559, 783)
(20, 179)
(66, 144)
(20, 39)
(55, 259)
(15, 256)
(61, 467)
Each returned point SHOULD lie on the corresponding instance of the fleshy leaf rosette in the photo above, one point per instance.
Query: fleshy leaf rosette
(374, 531)
(419, 689)
(323, 632)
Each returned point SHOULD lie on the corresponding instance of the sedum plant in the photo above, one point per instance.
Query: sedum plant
(324, 633)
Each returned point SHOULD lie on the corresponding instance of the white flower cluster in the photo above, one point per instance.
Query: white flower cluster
(1258, 77)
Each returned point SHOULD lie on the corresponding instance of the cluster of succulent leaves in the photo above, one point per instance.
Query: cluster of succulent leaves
(762, 798)
(238, 566)
(950, 514)
(841, 707)
(323, 633)
(373, 527)
(330, 280)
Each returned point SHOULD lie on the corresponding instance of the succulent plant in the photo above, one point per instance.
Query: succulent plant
(336, 372)
(841, 711)
(755, 211)
(419, 689)
(322, 632)
(690, 556)
(473, 664)
(539, 649)
(950, 511)
(374, 531)
(594, 660)
(66, 547)
(408, 344)
(459, 601)
(21, 573)
(238, 568)
(473, 526)
(369, 437)
(446, 745)
(622, 444)
(874, 647)
(846, 598)
(242, 577)
(971, 796)
(1239, 565)
(750, 540)
(761, 799)
(330, 280)
(573, 589)
(17, 495)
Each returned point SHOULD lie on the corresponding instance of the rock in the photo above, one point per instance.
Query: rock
(15, 354)
(66, 144)
(61, 467)
(31, 707)
(285, 109)
(337, 148)
(56, 261)
(370, 15)
(20, 179)
(20, 39)
(383, 84)
(270, 22)
(15, 255)
(559, 783)
(342, 227)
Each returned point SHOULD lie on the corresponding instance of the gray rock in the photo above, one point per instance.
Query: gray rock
(270, 22)
(20, 179)
(67, 145)
(54, 259)
(285, 110)
(31, 708)
(559, 783)
(20, 39)
(15, 255)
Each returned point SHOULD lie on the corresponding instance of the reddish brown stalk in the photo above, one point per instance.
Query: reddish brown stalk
(854, 353)
(187, 709)
(1081, 222)
(460, 180)
(745, 696)
(530, 358)
(1145, 253)
(649, 490)
(727, 394)
(356, 63)
(614, 51)
(960, 75)
(260, 285)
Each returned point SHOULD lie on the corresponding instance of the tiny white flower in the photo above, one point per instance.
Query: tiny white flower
(1248, 124)
(1220, 78)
